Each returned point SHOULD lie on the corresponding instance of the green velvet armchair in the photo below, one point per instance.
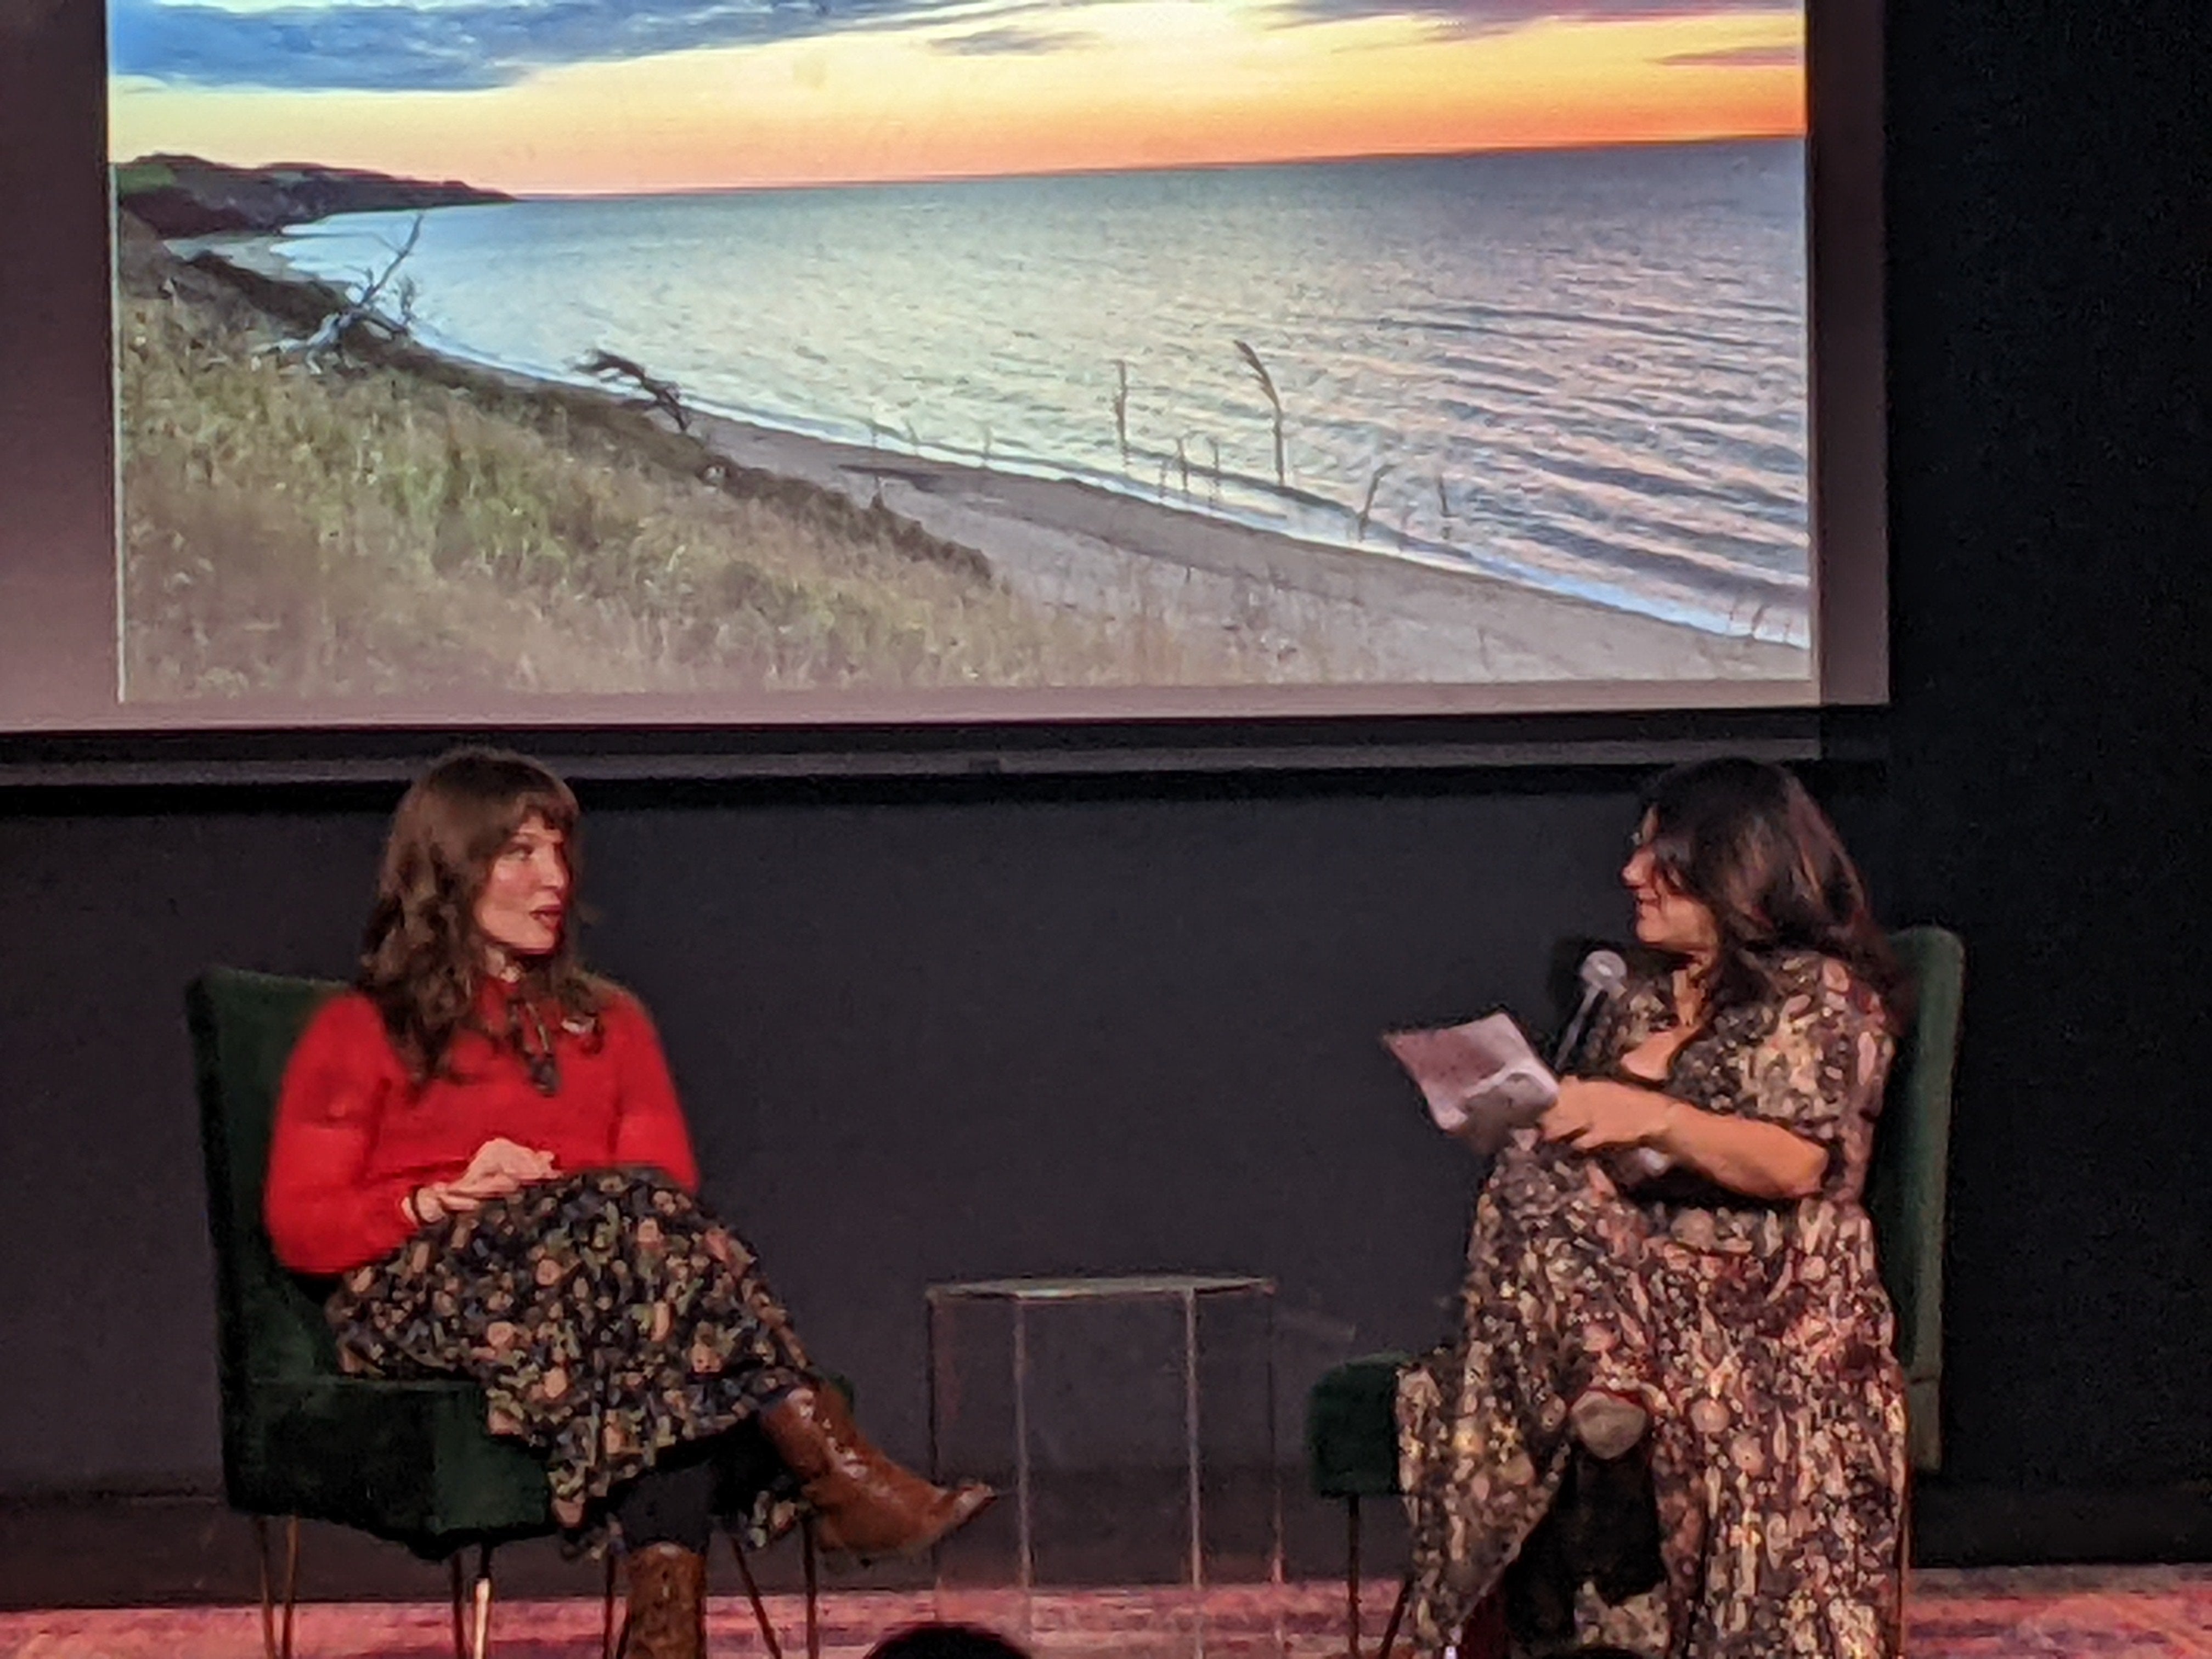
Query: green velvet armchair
(408, 1462)
(1906, 1187)
(1352, 1441)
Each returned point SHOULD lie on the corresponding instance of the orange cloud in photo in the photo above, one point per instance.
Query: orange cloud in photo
(1126, 84)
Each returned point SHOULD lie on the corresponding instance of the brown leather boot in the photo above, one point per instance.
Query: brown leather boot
(863, 1502)
(667, 1616)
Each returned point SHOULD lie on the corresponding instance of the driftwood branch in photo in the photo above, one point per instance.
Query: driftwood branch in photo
(362, 311)
(660, 394)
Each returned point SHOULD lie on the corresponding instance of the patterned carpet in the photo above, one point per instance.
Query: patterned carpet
(2065, 1612)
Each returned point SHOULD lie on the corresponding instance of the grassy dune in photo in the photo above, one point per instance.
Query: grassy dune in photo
(407, 524)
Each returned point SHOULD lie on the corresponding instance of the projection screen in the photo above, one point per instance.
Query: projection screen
(691, 362)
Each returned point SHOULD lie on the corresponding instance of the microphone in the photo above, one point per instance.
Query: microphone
(1602, 973)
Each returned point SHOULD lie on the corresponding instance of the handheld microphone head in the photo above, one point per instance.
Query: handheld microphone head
(1603, 972)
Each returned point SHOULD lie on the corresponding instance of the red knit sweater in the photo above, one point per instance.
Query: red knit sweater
(353, 1136)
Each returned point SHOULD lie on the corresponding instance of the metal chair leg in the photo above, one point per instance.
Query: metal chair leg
(291, 1583)
(813, 1591)
(1904, 1558)
(1352, 1577)
(753, 1595)
(480, 1632)
(607, 1612)
(268, 1588)
(1397, 1617)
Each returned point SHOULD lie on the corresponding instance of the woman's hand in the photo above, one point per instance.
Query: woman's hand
(501, 1158)
(1745, 1155)
(1593, 1116)
(500, 1169)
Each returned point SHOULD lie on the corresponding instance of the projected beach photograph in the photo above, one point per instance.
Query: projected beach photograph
(730, 349)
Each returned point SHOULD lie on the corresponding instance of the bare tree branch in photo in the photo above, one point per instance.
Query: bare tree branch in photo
(660, 394)
(362, 310)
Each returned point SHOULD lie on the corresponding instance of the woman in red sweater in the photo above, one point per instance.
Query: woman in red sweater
(481, 1141)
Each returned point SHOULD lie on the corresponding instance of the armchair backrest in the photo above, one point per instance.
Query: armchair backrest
(1911, 1161)
(244, 1025)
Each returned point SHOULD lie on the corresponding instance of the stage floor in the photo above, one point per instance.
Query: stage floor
(2035, 1612)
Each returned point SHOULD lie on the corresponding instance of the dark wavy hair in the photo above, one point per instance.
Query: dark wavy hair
(1744, 839)
(423, 957)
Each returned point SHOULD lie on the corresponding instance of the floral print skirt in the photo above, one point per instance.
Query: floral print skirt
(607, 1317)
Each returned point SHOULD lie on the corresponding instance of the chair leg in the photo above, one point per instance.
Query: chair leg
(1904, 1560)
(291, 1583)
(813, 1590)
(1397, 1617)
(753, 1595)
(268, 1588)
(1352, 1577)
(480, 1630)
(607, 1612)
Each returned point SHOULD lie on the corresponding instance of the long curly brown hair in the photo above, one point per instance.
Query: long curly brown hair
(1744, 839)
(424, 959)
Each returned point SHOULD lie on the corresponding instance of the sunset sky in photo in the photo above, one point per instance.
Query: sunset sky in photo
(562, 96)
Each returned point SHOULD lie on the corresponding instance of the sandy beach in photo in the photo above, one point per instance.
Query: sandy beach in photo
(1370, 616)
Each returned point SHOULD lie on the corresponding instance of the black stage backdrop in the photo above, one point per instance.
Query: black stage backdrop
(932, 1030)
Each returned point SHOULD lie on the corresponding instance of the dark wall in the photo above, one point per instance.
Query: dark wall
(920, 1040)
(2048, 194)
(991, 1031)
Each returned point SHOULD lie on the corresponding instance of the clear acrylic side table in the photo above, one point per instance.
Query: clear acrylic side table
(1129, 1425)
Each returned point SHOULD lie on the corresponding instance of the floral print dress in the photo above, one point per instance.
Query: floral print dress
(607, 1317)
(1758, 1335)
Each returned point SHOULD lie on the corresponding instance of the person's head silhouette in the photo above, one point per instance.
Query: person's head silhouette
(945, 1641)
